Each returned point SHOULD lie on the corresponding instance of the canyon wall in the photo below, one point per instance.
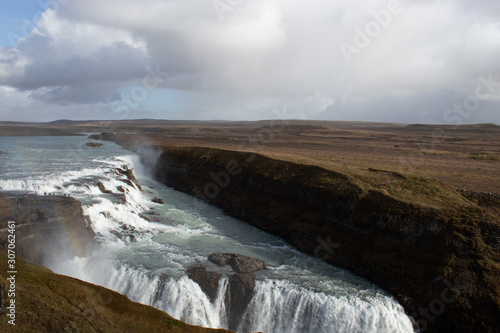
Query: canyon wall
(47, 227)
(438, 254)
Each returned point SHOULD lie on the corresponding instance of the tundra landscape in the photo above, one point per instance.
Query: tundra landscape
(264, 166)
(410, 207)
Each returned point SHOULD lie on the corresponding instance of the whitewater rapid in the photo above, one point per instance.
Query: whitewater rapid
(146, 247)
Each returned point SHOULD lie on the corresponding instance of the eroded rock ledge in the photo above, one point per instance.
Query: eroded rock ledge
(47, 227)
(431, 247)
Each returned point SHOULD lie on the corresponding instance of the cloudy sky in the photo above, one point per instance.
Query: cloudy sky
(399, 61)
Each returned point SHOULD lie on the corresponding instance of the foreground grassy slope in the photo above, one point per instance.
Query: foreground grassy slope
(48, 302)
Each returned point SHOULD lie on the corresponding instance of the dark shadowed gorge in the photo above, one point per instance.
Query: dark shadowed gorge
(435, 247)
(413, 248)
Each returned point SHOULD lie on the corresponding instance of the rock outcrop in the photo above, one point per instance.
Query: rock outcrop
(239, 263)
(208, 280)
(129, 173)
(241, 282)
(157, 200)
(47, 227)
(103, 188)
(93, 144)
(102, 136)
(415, 237)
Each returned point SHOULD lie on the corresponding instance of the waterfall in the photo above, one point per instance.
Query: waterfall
(147, 247)
(180, 297)
(279, 306)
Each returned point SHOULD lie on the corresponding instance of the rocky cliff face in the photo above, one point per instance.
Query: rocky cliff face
(47, 227)
(438, 254)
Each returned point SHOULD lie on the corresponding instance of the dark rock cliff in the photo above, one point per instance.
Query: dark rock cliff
(438, 254)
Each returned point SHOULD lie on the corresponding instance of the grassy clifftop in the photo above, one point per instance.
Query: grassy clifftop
(395, 189)
(48, 302)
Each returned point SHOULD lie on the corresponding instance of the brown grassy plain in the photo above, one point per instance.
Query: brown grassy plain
(465, 157)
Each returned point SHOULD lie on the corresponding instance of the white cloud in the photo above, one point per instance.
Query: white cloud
(263, 55)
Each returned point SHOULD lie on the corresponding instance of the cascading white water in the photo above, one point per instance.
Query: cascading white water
(181, 297)
(146, 248)
(184, 299)
(279, 306)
